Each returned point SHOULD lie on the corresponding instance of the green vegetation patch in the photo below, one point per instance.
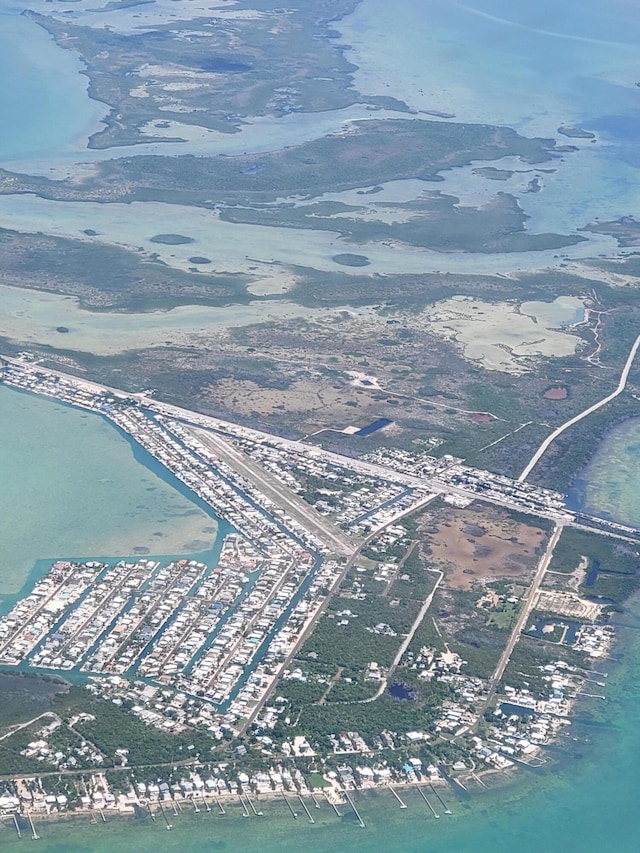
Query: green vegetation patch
(108, 277)
(347, 259)
(26, 696)
(612, 554)
(316, 722)
(504, 616)
(524, 669)
(114, 728)
(171, 239)
(369, 151)
(278, 61)
(345, 640)
(316, 780)
(433, 221)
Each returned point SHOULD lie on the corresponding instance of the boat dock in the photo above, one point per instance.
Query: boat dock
(447, 810)
(253, 808)
(355, 810)
(164, 815)
(424, 797)
(403, 805)
(476, 778)
(333, 806)
(34, 834)
(304, 806)
(294, 814)
(245, 811)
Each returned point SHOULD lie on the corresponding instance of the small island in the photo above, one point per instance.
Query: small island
(350, 260)
(575, 132)
(171, 239)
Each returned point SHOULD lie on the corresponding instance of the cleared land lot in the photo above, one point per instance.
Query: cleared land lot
(482, 546)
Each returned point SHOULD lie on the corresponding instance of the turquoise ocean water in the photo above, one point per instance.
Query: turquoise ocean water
(609, 484)
(44, 107)
(533, 66)
(73, 485)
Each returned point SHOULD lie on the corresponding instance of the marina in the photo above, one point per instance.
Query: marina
(128, 503)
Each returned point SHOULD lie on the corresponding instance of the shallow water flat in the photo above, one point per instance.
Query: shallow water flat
(72, 486)
(610, 481)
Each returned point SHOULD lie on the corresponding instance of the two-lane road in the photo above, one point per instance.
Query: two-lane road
(528, 604)
(622, 384)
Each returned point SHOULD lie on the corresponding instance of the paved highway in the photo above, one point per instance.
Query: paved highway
(433, 484)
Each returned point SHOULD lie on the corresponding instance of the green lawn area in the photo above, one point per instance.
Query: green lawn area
(505, 617)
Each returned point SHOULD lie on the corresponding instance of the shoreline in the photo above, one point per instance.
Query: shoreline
(172, 500)
(506, 785)
(128, 809)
